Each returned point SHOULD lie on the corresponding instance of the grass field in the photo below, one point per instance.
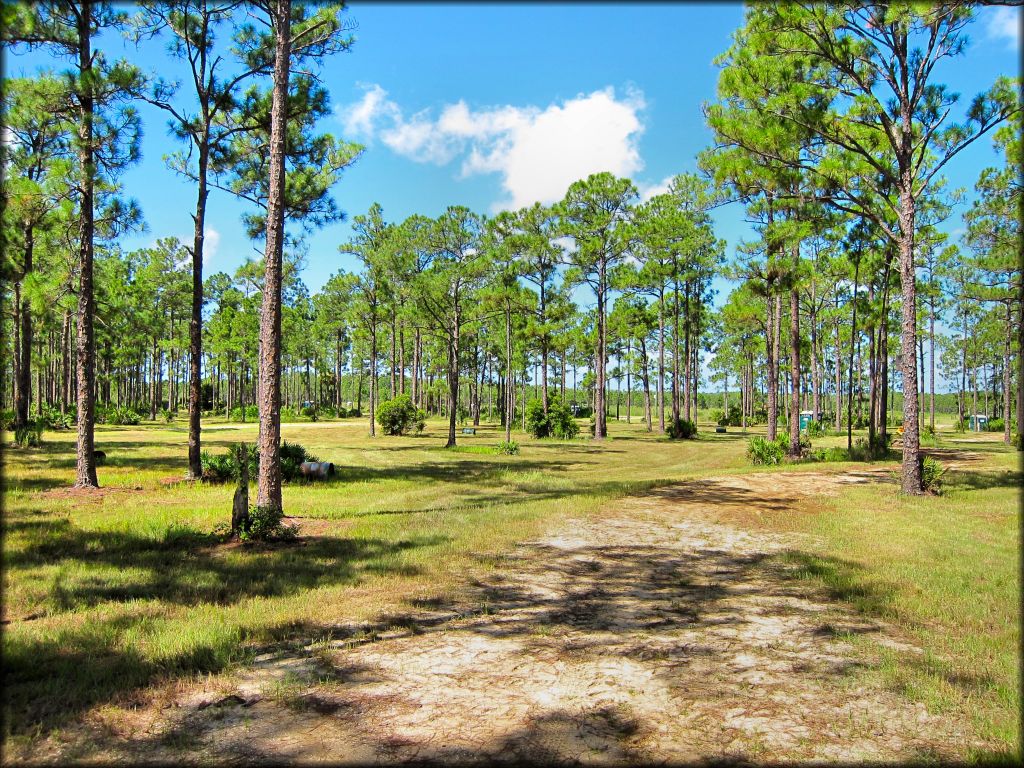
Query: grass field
(111, 593)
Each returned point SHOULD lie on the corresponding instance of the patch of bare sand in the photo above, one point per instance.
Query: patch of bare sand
(655, 633)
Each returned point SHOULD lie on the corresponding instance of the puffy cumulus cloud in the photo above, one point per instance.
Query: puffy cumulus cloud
(1003, 23)
(360, 118)
(537, 151)
(647, 191)
(211, 241)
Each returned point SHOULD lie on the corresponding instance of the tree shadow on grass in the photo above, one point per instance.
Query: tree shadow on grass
(976, 480)
(50, 675)
(647, 602)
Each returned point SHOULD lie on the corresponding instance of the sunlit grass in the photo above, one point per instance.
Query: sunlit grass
(106, 595)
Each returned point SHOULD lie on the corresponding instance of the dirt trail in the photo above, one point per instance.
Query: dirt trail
(659, 632)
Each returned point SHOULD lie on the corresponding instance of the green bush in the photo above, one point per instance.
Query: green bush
(996, 425)
(830, 454)
(732, 419)
(6, 419)
(292, 457)
(511, 448)
(265, 525)
(816, 429)
(121, 415)
(167, 415)
(557, 422)
(682, 429)
(54, 418)
(252, 413)
(761, 450)
(584, 412)
(931, 474)
(224, 467)
(219, 468)
(31, 434)
(398, 416)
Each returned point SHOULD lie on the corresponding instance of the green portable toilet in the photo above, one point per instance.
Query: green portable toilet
(979, 422)
(806, 417)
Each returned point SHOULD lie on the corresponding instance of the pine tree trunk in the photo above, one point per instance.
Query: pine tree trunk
(268, 494)
(22, 378)
(661, 361)
(85, 361)
(1006, 376)
(772, 351)
(794, 367)
(911, 471)
(600, 422)
(195, 325)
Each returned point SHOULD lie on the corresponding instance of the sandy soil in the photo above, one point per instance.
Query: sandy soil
(661, 632)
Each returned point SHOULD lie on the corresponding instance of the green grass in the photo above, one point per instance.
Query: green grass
(111, 595)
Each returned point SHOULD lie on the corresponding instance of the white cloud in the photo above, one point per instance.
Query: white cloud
(1004, 24)
(647, 191)
(537, 151)
(211, 240)
(359, 118)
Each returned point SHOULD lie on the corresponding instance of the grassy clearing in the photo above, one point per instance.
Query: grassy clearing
(108, 594)
(946, 570)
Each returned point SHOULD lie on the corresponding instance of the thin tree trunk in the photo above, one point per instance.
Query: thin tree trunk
(600, 422)
(772, 351)
(195, 325)
(23, 323)
(1006, 376)
(85, 362)
(911, 472)
(794, 365)
(269, 483)
(661, 361)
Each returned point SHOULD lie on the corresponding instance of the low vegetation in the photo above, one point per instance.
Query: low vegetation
(108, 595)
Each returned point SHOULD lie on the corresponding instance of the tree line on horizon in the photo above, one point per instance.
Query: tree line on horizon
(828, 128)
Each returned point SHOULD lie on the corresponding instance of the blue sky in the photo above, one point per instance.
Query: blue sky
(493, 105)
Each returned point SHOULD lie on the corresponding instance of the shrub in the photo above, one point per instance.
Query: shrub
(398, 416)
(960, 426)
(816, 429)
(265, 525)
(224, 467)
(511, 448)
(931, 474)
(761, 450)
(6, 419)
(31, 434)
(219, 468)
(122, 415)
(557, 422)
(54, 418)
(996, 425)
(682, 429)
(292, 457)
(252, 413)
(830, 454)
(718, 416)
(167, 415)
